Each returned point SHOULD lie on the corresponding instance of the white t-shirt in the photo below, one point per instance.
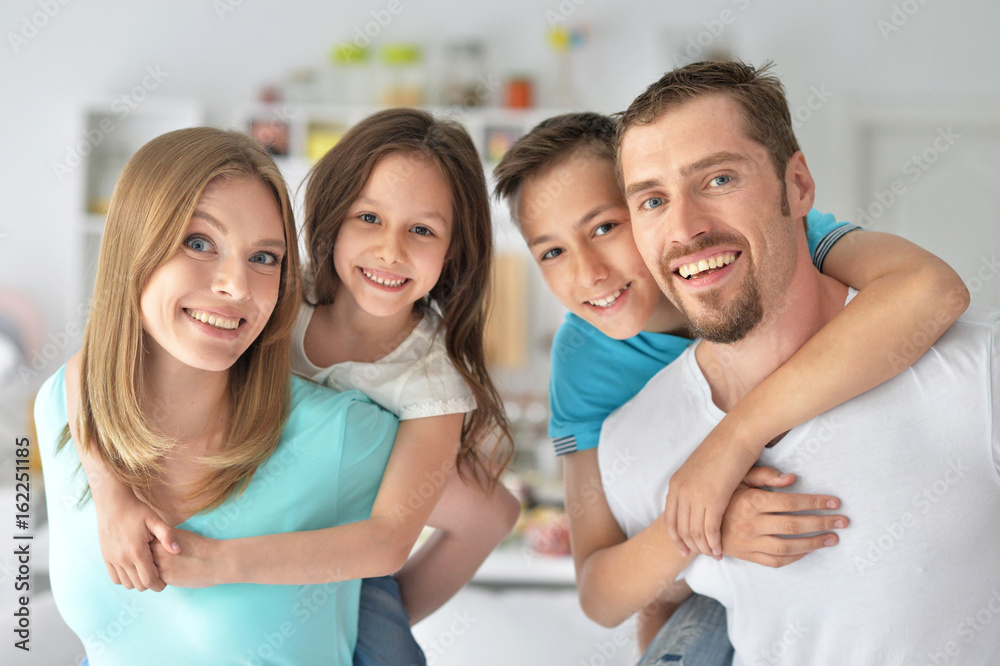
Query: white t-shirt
(414, 380)
(915, 578)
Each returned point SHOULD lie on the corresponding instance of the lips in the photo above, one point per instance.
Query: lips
(609, 300)
(384, 279)
(720, 260)
(215, 320)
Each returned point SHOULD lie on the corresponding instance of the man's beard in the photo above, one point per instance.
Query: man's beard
(719, 322)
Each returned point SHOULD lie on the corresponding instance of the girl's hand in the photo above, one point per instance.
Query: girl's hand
(757, 519)
(125, 534)
(194, 565)
(700, 491)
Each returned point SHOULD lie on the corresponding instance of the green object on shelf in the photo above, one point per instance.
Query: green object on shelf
(346, 53)
(401, 54)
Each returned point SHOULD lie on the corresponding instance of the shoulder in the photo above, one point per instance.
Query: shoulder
(315, 407)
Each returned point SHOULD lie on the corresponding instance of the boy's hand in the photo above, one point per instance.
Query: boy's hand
(701, 490)
(194, 566)
(756, 521)
(125, 535)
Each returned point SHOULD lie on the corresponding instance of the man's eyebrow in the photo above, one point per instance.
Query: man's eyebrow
(712, 160)
(214, 223)
(594, 212)
(635, 188)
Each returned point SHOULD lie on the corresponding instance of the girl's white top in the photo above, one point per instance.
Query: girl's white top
(413, 381)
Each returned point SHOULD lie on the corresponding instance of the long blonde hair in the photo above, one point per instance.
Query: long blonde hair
(151, 206)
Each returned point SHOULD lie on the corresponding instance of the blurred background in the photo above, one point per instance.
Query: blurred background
(896, 106)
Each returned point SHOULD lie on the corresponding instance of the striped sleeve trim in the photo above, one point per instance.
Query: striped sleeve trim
(828, 241)
(564, 445)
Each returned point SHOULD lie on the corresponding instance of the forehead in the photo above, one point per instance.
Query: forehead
(685, 134)
(557, 198)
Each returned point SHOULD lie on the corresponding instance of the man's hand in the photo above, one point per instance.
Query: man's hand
(196, 565)
(700, 491)
(125, 532)
(755, 518)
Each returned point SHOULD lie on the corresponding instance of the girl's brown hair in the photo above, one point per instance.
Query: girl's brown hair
(336, 181)
(151, 206)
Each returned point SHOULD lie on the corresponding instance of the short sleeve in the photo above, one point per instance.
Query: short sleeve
(435, 387)
(576, 419)
(822, 233)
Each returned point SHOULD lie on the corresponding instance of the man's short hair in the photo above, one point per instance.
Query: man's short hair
(759, 94)
(548, 143)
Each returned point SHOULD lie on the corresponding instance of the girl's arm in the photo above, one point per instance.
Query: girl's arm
(908, 298)
(617, 577)
(469, 524)
(125, 524)
(422, 460)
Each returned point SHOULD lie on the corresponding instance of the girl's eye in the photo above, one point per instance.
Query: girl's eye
(552, 254)
(605, 228)
(651, 203)
(422, 231)
(265, 259)
(719, 181)
(198, 244)
(370, 218)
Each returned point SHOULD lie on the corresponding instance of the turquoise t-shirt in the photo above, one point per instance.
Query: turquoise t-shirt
(325, 471)
(593, 375)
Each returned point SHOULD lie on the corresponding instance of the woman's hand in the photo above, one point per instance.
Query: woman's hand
(755, 519)
(126, 528)
(197, 564)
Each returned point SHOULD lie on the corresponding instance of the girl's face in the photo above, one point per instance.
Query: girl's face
(577, 228)
(205, 305)
(391, 248)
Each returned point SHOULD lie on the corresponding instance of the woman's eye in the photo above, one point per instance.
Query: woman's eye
(652, 202)
(719, 181)
(266, 259)
(198, 244)
(552, 254)
(605, 228)
(422, 231)
(370, 218)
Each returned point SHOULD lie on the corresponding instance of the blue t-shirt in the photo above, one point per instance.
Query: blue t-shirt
(325, 471)
(593, 375)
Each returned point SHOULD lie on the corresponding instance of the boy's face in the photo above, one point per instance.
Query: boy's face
(577, 229)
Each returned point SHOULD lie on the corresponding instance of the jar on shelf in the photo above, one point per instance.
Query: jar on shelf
(404, 76)
(351, 80)
(464, 69)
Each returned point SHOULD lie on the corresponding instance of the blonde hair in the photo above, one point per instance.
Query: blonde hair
(151, 206)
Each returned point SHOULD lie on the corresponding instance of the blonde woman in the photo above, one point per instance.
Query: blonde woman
(182, 391)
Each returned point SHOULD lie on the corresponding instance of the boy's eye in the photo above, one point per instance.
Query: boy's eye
(422, 231)
(370, 218)
(651, 203)
(552, 254)
(605, 228)
(265, 259)
(197, 243)
(719, 181)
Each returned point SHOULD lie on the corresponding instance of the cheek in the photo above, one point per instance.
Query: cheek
(560, 282)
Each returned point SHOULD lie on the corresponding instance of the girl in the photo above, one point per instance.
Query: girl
(399, 240)
(188, 402)
(620, 331)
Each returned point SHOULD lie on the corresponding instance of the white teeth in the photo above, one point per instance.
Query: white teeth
(610, 300)
(227, 323)
(381, 281)
(717, 261)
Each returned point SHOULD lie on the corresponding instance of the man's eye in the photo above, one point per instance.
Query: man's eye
(652, 202)
(552, 254)
(370, 218)
(605, 228)
(719, 181)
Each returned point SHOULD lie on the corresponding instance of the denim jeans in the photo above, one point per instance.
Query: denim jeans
(695, 635)
(384, 636)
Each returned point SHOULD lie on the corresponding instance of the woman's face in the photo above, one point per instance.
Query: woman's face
(205, 305)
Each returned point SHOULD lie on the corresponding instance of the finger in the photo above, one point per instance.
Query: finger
(683, 527)
(133, 575)
(779, 547)
(773, 561)
(698, 530)
(113, 573)
(776, 502)
(768, 476)
(125, 580)
(148, 573)
(165, 535)
(794, 525)
(713, 529)
(670, 519)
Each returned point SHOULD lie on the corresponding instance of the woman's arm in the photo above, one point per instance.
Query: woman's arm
(469, 524)
(908, 298)
(422, 459)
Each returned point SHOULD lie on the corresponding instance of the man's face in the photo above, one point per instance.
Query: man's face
(710, 215)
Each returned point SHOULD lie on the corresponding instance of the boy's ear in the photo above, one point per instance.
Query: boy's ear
(800, 185)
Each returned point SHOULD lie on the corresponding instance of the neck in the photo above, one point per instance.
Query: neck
(368, 337)
(184, 403)
(809, 301)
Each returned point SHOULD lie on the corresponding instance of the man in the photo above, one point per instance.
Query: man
(717, 191)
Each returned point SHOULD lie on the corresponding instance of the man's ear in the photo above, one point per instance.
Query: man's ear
(800, 185)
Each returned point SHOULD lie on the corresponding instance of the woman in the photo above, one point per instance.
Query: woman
(182, 389)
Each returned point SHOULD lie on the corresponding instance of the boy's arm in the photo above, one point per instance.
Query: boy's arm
(907, 299)
(469, 524)
(424, 451)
